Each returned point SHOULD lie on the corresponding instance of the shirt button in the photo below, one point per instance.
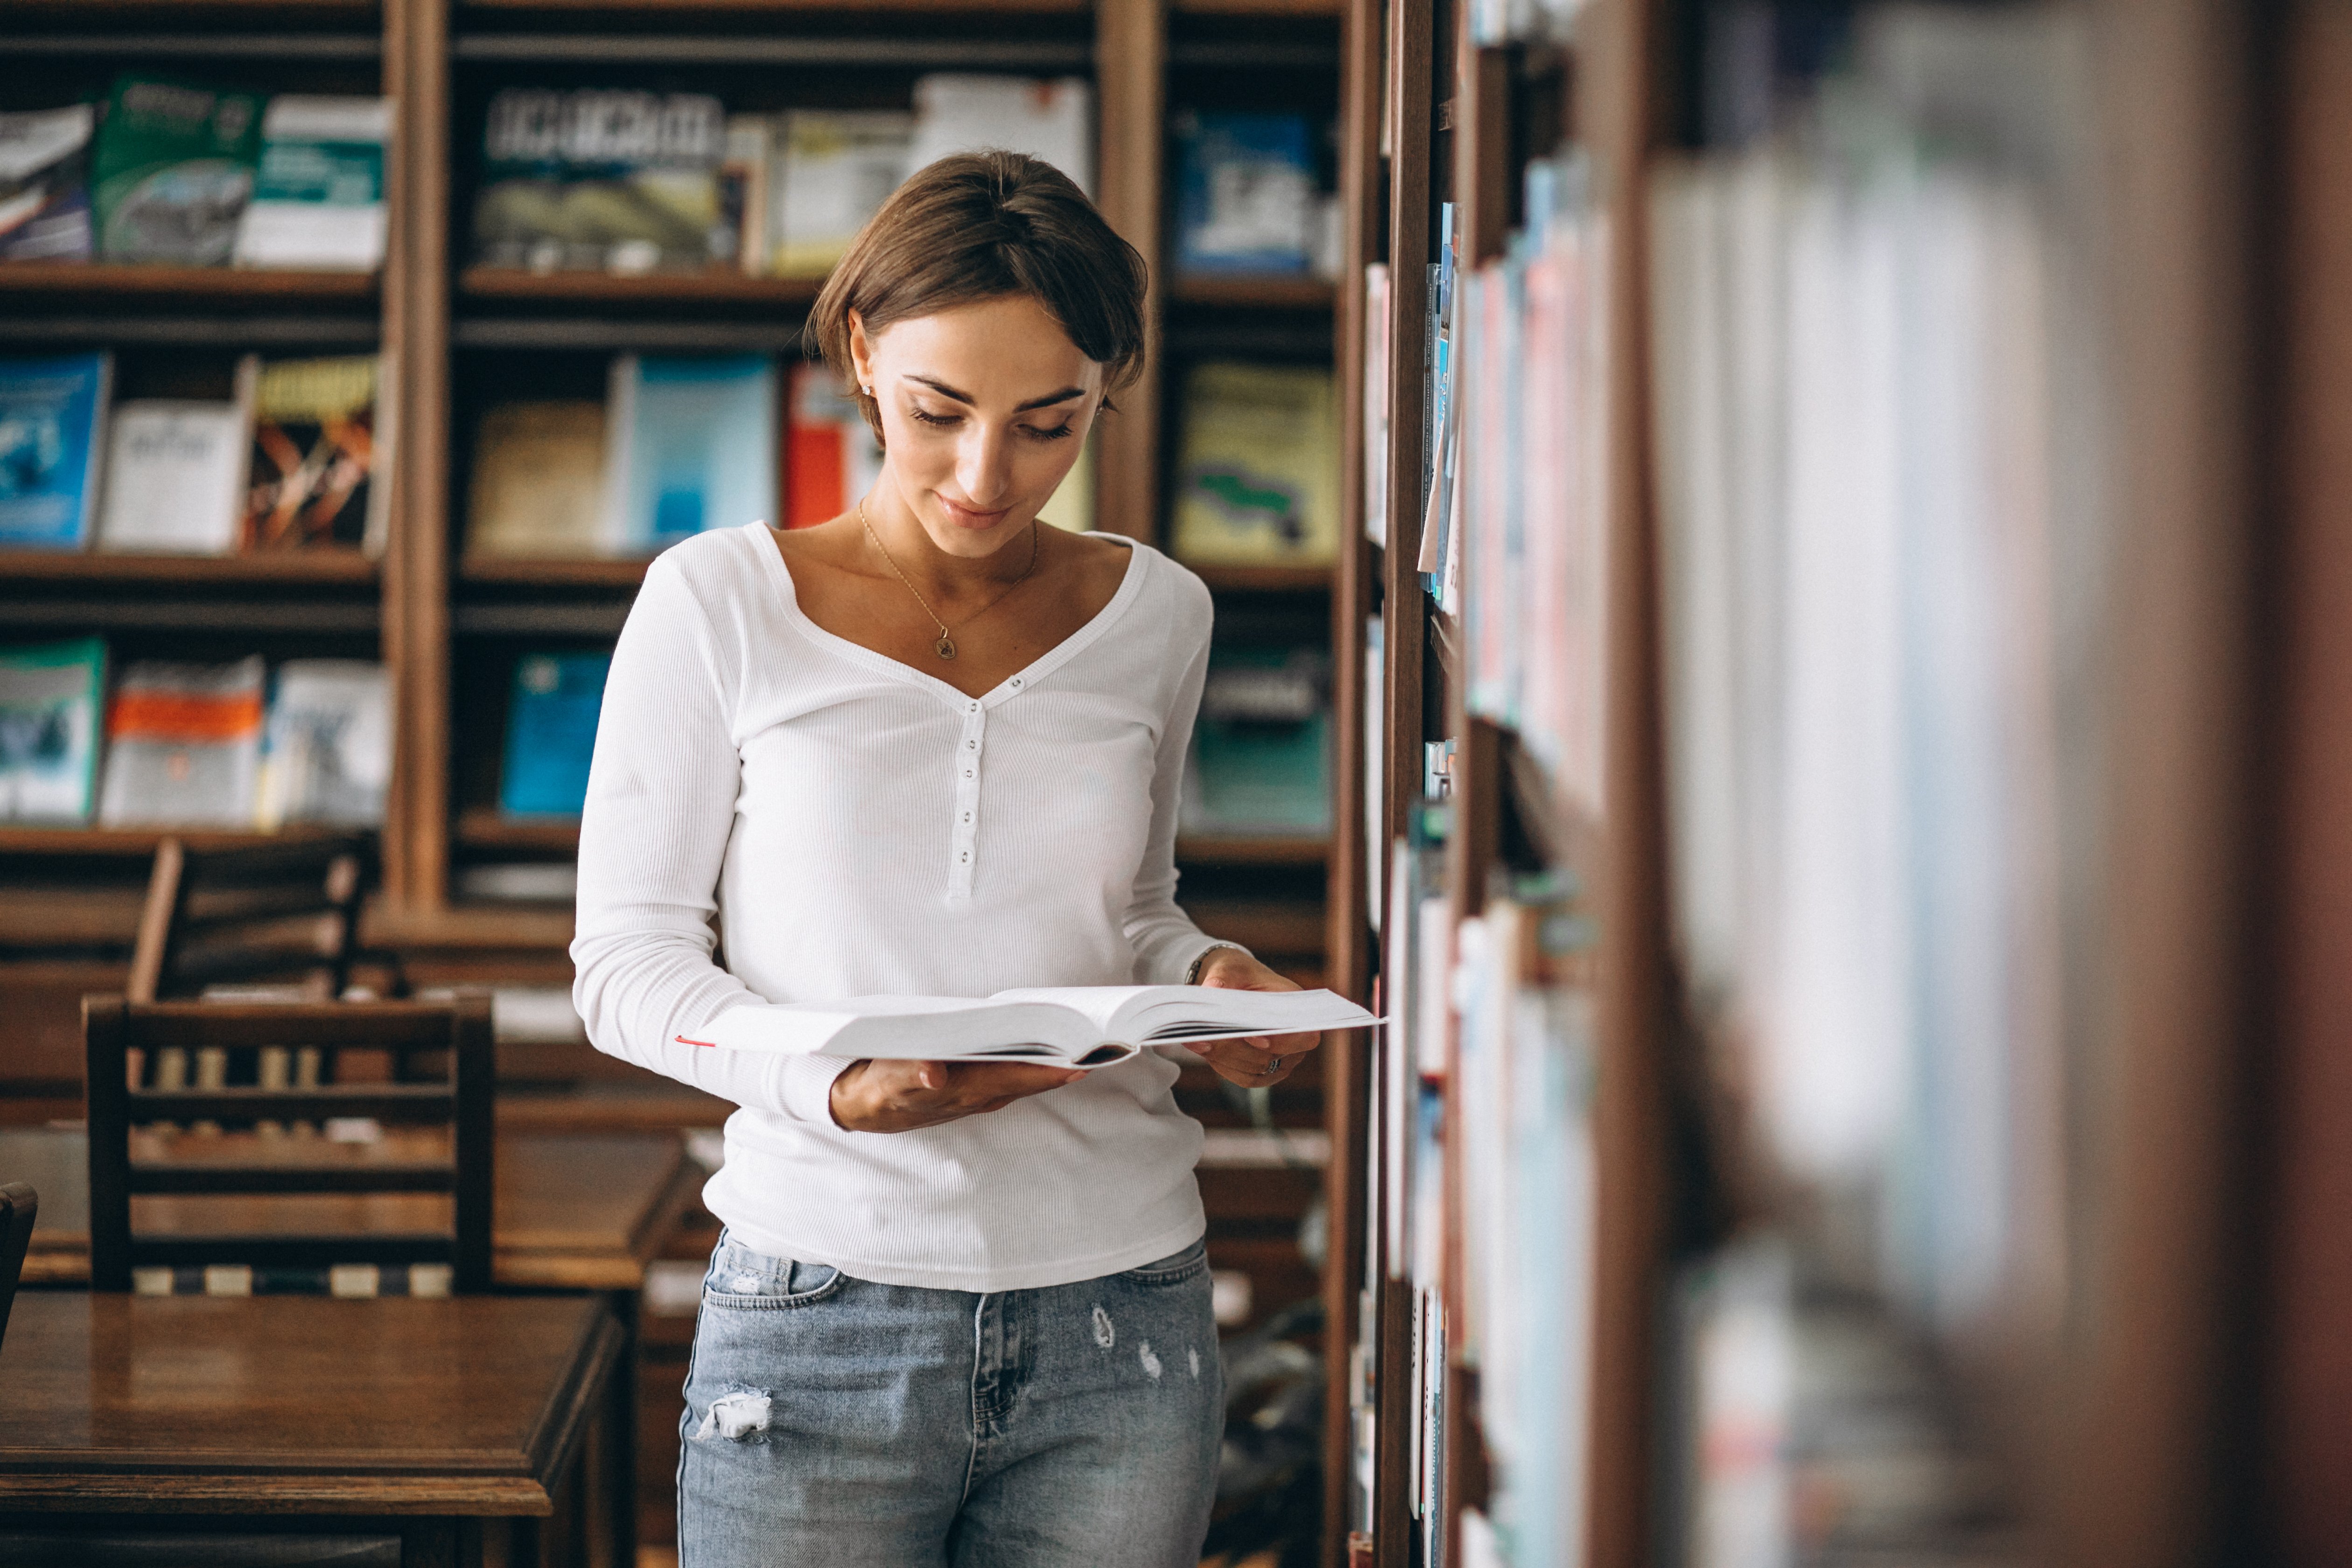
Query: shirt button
(975, 708)
(1017, 681)
(965, 856)
(967, 816)
(966, 773)
(971, 745)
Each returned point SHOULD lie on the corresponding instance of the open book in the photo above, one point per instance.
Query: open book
(1070, 1025)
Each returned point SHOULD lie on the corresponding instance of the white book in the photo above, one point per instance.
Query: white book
(328, 744)
(833, 171)
(1052, 120)
(175, 474)
(1067, 1025)
(317, 199)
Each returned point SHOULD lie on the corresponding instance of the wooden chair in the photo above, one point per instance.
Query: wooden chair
(18, 1205)
(432, 1067)
(285, 915)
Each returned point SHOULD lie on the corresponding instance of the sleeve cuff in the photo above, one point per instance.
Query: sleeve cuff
(806, 1088)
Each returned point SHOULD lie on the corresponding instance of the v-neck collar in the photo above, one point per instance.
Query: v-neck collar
(1013, 685)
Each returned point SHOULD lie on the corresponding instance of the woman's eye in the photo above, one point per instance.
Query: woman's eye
(1058, 433)
(939, 419)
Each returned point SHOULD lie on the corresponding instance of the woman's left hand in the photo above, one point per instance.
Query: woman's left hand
(1263, 1060)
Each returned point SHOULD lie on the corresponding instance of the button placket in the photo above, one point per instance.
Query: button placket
(962, 837)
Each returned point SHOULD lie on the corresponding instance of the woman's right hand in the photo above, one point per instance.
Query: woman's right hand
(898, 1097)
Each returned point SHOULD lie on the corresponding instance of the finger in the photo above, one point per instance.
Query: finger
(1010, 1081)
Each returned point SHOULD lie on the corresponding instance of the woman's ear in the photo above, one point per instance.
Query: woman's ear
(861, 353)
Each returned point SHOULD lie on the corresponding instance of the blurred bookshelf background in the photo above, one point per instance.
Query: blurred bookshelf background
(1777, 568)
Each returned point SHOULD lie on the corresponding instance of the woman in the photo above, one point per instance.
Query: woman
(961, 1311)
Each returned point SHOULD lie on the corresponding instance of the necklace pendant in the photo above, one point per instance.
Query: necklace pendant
(945, 647)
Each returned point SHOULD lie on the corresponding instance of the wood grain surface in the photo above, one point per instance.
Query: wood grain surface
(286, 1404)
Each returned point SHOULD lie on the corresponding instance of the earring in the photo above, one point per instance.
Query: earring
(867, 390)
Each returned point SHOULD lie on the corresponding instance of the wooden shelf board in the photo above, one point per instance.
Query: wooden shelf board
(138, 842)
(714, 288)
(1271, 291)
(1264, 579)
(799, 7)
(552, 573)
(482, 828)
(1257, 7)
(483, 926)
(252, 284)
(1244, 849)
(97, 566)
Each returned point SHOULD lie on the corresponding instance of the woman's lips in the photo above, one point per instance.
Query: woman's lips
(971, 517)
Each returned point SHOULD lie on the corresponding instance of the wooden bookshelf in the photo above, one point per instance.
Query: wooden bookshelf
(1254, 293)
(1266, 579)
(181, 285)
(1240, 849)
(547, 573)
(134, 843)
(293, 567)
(648, 288)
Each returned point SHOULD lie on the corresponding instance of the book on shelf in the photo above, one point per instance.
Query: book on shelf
(1257, 465)
(746, 179)
(834, 169)
(690, 444)
(45, 183)
(831, 454)
(320, 438)
(176, 472)
(327, 744)
(172, 170)
(521, 882)
(1052, 120)
(184, 745)
(1246, 199)
(1261, 759)
(51, 697)
(317, 194)
(1084, 1026)
(552, 733)
(537, 488)
(52, 436)
(602, 180)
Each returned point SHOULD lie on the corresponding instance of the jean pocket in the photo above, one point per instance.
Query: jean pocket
(741, 1277)
(1173, 1269)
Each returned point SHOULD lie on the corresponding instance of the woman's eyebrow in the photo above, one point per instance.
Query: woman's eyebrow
(944, 390)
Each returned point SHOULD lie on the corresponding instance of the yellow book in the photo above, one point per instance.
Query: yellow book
(1258, 467)
(539, 480)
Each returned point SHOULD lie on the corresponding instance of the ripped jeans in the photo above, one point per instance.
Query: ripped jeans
(829, 1420)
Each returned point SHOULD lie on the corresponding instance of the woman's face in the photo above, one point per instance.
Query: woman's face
(984, 409)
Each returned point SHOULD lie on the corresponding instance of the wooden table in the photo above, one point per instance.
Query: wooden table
(452, 1432)
(571, 1213)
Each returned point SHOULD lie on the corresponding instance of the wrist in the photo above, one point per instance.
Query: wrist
(1216, 956)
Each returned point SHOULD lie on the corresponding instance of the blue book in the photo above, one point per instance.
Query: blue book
(552, 732)
(692, 445)
(1244, 192)
(52, 412)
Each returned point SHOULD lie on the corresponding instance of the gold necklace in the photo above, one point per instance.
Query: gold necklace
(945, 647)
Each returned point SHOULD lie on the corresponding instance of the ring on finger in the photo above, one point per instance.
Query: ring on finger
(1274, 1066)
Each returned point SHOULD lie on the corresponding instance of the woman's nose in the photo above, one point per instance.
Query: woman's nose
(983, 468)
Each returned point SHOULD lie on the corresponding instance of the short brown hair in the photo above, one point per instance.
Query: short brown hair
(981, 225)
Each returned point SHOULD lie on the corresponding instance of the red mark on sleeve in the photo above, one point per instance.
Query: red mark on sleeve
(707, 1045)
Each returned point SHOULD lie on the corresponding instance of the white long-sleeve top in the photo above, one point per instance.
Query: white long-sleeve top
(839, 824)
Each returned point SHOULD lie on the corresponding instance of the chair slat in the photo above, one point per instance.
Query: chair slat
(374, 1178)
(398, 1102)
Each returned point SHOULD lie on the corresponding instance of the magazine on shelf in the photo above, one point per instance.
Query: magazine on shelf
(45, 183)
(171, 169)
(318, 198)
(1064, 1026)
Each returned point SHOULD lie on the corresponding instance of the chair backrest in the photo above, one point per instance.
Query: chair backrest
(18, 1205)
(354, 1068)
(270, 912)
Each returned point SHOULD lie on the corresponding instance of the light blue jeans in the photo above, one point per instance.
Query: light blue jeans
(832, 1421)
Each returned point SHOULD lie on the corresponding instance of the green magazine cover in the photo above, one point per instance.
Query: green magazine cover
(173, 171)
